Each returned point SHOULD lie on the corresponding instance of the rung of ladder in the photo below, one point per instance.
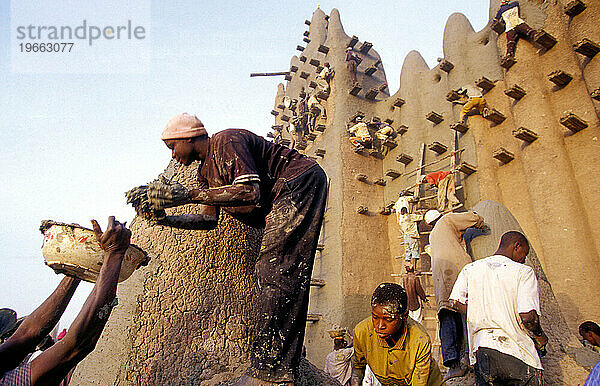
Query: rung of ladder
(460, 205)
(317, 282)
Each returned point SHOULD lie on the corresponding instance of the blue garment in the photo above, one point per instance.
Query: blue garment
(594, 378)
(471, 233)
(452, 335)
(504, 8)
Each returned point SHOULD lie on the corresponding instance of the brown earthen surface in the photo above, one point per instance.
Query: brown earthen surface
(548, 186)
(186, 318)
(167, 327)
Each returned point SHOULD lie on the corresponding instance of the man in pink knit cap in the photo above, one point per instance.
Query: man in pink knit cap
(263, 185)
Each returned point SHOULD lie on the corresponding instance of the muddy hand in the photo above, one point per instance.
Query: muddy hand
(166, 194)
(137, 195)
(116, 237)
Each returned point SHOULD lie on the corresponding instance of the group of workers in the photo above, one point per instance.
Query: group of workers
(498, 335)
(308, 110)
(449, 256)
(361, 137)
(502, 329)
(258, 182)
(488, 312)
(267, 185)
(471, 96)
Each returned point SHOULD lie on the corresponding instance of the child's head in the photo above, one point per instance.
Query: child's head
(403, 210)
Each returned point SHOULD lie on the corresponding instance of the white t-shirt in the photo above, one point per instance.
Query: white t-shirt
(511, 18)
(472, 91)
(401, 203)
(496, 289)
(360, 130)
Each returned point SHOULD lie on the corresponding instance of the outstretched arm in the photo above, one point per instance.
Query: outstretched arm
(205, 220)
(165, 194)
(230, 195)
(53, 364)
(37, 325)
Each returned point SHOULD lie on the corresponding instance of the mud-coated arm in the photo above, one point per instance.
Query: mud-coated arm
(37, 325)
(230, 195)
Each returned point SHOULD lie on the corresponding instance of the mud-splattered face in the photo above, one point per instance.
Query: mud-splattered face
(387, 322)
(182, 150)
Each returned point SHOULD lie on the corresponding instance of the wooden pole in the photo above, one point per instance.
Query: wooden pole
(432, 163)
(252, 75)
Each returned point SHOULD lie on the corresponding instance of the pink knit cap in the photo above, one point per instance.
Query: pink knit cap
(183, 126)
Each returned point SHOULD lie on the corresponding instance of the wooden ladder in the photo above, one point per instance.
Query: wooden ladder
(430, 320)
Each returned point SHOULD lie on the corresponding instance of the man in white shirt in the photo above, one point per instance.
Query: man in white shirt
(315, 110)
(515, 26)
(409, 229)
(360, 136)
(500, 297)
(324, 77)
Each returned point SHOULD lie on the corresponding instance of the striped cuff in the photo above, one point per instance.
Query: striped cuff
(246, 179)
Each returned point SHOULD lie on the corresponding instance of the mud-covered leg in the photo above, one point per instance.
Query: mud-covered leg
(283, 270)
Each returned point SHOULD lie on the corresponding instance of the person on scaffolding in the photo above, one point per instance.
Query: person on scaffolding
(446, 190)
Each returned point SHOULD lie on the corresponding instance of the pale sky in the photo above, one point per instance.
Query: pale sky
(72, 144)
